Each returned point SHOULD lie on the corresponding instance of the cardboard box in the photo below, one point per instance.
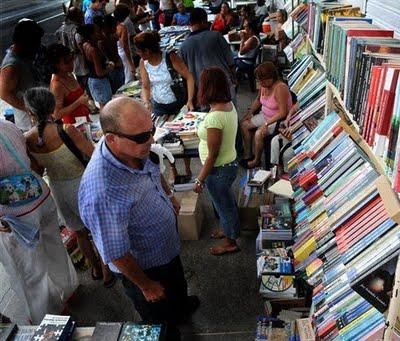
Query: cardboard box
(190, 216)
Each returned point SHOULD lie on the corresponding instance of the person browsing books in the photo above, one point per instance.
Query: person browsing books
(64, 170)
(131, 213)
(217, 152)
(275, 101)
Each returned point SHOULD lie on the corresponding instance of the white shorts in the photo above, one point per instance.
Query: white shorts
(259, 120)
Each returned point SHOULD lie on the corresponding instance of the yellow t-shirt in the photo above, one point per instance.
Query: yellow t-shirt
(227, 121)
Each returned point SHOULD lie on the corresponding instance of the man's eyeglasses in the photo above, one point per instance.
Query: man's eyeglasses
(138, 138)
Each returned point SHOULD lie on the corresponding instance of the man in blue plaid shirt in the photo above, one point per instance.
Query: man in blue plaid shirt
(131, 213)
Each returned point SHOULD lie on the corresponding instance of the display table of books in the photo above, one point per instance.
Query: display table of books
(62, 328)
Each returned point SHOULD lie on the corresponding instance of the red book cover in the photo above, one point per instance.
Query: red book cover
(375, 74)
(369, 33)
(376, 108)
(355, 234)
(388, 96)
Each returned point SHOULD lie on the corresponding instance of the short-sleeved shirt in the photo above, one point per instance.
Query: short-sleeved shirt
(227, 121)
(127, 210)
(90, 14)
(68, 36)
(182, 19)
(195, 52)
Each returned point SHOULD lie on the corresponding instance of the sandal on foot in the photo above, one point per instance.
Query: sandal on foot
(110, 283)
(217, 234)
(222, 250)
(96, 277)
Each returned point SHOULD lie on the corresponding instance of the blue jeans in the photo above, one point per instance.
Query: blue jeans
(219, 183)
(100, 90)
(117, 79)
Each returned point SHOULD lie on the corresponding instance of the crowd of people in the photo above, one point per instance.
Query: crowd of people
(113, 189)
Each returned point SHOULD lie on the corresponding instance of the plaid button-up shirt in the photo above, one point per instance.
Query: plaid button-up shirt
(127, 210)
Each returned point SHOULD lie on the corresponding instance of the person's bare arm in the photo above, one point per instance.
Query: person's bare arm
(82, 143)
(173, 21)
(145, 85)
(170, 194)
(58, 91)
(214, 140)
(94, 56)
(8, 86)
(247, 45)
(152, 291)
(255, 106)
(124, 38)
(183, 70)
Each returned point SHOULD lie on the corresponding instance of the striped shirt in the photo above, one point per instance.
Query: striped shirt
(127, 210)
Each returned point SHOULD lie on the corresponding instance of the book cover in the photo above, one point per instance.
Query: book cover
(143, 332)
(377, 286)
(106, 331)
(53, 328)
(7, 331)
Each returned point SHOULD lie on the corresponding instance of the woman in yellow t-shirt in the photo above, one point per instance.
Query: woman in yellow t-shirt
(217, 152)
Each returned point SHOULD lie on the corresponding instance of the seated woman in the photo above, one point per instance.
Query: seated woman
(182, 18)
(71, 100)
(217, 152)
(260, 9)
(275, 101)
(157, 80)
(249, 46)
(246, 13)
(224, 21)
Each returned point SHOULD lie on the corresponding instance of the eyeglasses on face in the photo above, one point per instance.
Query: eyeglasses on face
(138, 138)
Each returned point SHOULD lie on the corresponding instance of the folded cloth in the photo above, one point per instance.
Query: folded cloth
(26, 233)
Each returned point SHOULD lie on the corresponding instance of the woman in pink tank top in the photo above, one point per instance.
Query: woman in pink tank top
(274, 100)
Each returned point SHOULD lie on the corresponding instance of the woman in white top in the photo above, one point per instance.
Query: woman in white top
(157, 79)
(249, 46)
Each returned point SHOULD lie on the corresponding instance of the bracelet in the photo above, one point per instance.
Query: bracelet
(199, 182)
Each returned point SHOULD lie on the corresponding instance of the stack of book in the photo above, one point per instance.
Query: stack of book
(274, 264)
(343, 234)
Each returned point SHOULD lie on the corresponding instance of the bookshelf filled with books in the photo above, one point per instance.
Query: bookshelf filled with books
(345, 174)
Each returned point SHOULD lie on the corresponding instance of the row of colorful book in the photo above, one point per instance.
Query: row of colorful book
(362, 63)
(346, 242)
(346, 214)
(364, 66)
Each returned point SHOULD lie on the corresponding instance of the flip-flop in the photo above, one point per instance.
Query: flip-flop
(217, 234)
(224, 250)
(110, 283)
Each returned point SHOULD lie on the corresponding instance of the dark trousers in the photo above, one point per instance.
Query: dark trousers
(166, 311)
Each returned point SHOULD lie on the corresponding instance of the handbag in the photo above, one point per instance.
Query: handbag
(71, 145)
(20, 189)
(178, 85)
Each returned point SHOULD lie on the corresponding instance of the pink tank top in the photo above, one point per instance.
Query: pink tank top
(270, 106)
